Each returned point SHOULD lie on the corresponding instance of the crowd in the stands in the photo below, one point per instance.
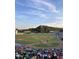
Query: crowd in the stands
(22, 52)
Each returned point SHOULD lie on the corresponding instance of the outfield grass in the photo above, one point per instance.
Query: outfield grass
(38, 40)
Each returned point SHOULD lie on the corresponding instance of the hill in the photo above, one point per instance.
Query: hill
(45, 29)
(42, 29)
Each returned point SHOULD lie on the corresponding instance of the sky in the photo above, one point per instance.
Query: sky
(32, 13)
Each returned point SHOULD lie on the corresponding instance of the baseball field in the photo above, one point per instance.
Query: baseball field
(37, 40)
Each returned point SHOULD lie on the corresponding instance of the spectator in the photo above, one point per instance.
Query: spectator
(22, 52)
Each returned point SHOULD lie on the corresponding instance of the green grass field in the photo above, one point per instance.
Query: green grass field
(42, 40)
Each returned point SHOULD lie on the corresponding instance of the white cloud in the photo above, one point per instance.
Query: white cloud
(39, 8)
(60, 18)
(26, 26)
(60, 25)
(50, 6)
(35, 13)
(43, 16)
(57, 23)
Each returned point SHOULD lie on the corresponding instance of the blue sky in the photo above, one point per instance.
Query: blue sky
(32, 13)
